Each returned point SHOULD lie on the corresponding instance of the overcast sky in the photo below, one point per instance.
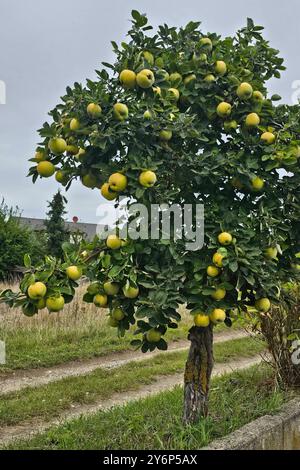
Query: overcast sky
(46, 46)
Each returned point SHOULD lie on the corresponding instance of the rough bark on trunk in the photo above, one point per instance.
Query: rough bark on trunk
(197, 374)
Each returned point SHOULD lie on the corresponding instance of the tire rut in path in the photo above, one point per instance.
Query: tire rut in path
(20, 379)
(28, 429)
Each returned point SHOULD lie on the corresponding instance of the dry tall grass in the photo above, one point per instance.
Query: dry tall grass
(77, 314)
(280, 328)
(79, 331)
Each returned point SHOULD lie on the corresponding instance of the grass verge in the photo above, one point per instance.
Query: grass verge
(79, 332)
(50, 400)
(155, 422)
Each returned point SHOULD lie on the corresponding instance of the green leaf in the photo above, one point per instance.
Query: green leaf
(140, 20)
(26, 282)
(27, 260)
(88, 298)
(67, 247)
(162, 345)
(145, 347)
(136, 343)
(29, 309)
(139, 192)
(270, 166)
(103, 73)
(144, 311)
(207, 291)
(43, 276)
(115, 270)
(276, 97)
(250, 23)
(250, 279)
(233, 266)
(106, 261)
(148, 285)
(68, 290)
(135, 15)
(160, 297)
(192, 26)
(5, 293)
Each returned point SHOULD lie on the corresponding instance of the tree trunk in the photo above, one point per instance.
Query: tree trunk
(197, 374)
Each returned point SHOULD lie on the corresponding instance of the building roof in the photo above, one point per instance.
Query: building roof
(38, 224)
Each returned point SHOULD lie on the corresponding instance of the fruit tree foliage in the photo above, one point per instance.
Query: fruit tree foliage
(232, 148)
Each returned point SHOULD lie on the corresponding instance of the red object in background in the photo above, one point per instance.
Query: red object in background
(75, 219)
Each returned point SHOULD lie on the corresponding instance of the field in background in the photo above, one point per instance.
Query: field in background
(80, 331)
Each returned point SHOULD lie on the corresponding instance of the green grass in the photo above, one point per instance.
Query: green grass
(79, 332)
(50, 400)
(155, 422)
(31, 349)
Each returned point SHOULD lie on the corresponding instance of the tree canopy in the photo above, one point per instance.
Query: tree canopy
(183, 117)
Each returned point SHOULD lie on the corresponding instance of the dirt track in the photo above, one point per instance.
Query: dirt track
(20, 379)
(32, 427)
